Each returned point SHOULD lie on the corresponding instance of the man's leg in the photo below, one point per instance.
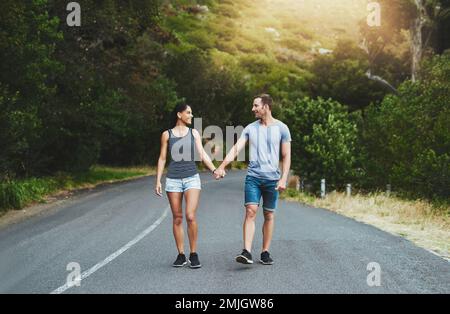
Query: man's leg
(249, 225)
(252, 197)
(270, 202)
(267, 229)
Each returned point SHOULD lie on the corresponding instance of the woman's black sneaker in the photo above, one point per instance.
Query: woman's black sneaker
(266, 259)
(180, 261)
(244, 258)
(193, 260)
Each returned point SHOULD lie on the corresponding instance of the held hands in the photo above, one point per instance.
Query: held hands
(219, 173)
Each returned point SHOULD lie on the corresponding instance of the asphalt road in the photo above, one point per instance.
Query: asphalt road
(121, 236)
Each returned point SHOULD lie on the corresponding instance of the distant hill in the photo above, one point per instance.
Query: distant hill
(254, 34)
(292, 29)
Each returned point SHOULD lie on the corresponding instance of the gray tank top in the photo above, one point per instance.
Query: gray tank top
(182, 154)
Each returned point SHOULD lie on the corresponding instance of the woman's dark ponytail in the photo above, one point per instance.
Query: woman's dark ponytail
(178, 108)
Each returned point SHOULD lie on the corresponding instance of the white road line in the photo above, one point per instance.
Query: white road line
(123, 249)
(117, 253)
(443, 257)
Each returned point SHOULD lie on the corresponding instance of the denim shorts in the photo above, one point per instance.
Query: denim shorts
(256, 187)
(182, 185)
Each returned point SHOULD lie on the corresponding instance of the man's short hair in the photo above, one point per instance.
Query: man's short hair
(265, 99)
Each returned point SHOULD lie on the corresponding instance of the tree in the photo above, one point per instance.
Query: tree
(342, 77)
(323, 141)
(429, 13)
(422, 19)
(28, 67)
(407, 137)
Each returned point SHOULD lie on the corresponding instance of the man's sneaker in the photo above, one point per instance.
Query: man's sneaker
(266, 259)
(244, 258)
(193, 260)
(180, 261)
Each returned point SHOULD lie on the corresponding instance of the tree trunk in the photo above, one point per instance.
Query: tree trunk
(417, 39)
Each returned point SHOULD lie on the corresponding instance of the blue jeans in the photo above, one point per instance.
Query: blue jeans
(256, 187)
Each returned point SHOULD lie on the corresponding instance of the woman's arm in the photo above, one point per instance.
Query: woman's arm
(203, 155)
(161, 162)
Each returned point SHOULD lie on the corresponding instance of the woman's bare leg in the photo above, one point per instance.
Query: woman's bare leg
(176, 200)
(192, 198)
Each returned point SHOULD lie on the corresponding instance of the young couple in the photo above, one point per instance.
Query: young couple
(267, 138)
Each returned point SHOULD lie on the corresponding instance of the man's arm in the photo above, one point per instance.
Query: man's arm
(286, 160)
(234, 151)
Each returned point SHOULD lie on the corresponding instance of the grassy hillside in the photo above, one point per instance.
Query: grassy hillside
(269, 43)
(284, 30)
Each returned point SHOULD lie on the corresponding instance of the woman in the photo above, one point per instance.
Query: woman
(183, 179)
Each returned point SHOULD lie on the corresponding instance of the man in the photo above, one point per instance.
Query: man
(267, 137)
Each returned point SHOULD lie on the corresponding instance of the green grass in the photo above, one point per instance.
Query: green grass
(16, 194)
(294, 195)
